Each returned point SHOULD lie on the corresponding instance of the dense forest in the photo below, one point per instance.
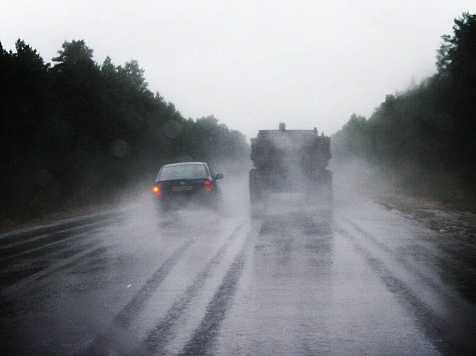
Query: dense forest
(76, 132)
(425, 136)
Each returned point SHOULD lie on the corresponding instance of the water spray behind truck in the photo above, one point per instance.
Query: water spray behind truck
(290, 161)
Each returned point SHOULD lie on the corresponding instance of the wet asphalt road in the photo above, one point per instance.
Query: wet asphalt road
(359, 281)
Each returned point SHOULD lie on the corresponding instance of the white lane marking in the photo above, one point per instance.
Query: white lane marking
(30, 279)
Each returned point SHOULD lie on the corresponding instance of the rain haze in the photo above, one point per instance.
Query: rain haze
(237, 178)
(252, 64)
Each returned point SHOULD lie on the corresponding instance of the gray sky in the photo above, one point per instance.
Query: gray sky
(252, 64)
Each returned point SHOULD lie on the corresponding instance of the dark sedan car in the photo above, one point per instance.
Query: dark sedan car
(180, 184)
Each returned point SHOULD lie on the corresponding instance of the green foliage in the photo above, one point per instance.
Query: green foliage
(134, 75)
(429, 129)
(457, 54)
(74, 53)
(78, 132)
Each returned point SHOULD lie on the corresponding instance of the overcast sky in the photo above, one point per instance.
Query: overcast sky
(252, 64)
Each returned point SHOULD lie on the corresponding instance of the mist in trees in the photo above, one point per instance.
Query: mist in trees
(425, 135)
(76, 132)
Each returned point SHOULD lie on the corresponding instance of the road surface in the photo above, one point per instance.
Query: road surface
(363, 280)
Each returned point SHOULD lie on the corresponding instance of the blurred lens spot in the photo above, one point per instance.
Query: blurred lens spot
(120, 148)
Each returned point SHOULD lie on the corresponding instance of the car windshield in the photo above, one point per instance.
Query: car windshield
(191, 171)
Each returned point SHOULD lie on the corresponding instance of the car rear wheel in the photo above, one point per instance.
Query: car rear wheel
(256, 194)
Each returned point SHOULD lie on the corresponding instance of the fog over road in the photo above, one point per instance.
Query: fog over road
(363, 280)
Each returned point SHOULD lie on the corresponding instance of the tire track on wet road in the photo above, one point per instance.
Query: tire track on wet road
(158, 337)
(56, 234)
(101, 343)
(450, 328)
(443, 255)
(38, 243)
(205, 335)
(20, 238)
(456, 300)
(64, 225)
(429, 280)
(28, 281)
(51, 244)
(131, 310)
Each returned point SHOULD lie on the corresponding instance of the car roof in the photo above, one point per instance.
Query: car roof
(182, 164)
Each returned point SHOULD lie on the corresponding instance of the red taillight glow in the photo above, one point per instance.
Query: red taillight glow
(157, 189)
(208, 184)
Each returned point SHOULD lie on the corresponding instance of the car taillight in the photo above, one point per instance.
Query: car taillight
(157, 189)
(208, 184)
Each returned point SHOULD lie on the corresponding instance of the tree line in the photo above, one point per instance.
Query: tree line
(425, 135)
(76, 132)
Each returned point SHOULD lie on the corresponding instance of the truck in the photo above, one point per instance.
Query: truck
(290, 161)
